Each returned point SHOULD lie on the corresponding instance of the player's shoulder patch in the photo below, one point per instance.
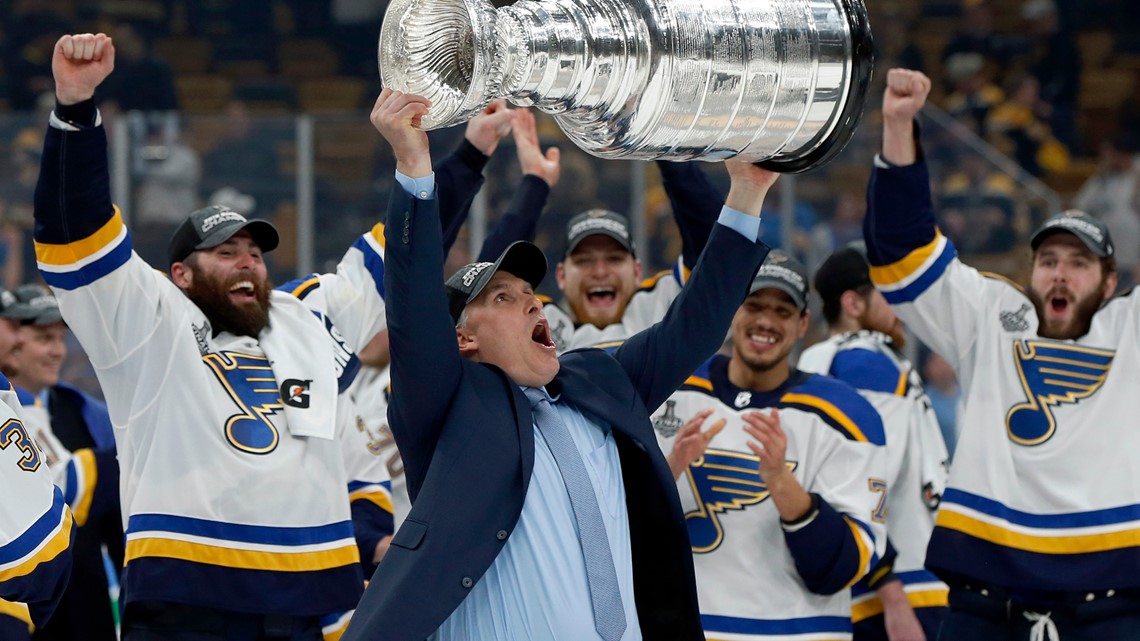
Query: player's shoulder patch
(699, 381)
(1003, 279)
(301, 287)
(838, 405)
(652, 281)
(867, 369)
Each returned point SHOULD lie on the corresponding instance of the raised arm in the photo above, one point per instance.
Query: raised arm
(459, 176)
(540, 172)
(425, 356)
(695, 202)
(659, 359)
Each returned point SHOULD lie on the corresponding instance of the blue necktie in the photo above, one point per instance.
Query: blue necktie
(609, 615)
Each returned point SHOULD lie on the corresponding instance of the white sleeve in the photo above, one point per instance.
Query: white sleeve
(353, 296)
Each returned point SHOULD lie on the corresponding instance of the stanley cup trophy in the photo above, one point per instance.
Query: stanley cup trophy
(779, 82)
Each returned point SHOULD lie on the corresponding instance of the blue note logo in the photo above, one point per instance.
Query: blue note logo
(721, 480)
(249, 381)
(1052, 374)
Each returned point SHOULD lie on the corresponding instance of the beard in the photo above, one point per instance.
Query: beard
(211, 294)
(1083, 310)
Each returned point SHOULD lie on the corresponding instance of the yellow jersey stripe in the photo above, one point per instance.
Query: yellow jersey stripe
(71, 253)
(898, 271)
(377, 234)
(306, 561)
(382, 500)
(864, 551)
(55, 546)
(85, 461)
(920, 599)
(834, 412)
(697, 381)
(1071, 544)
(18, 611)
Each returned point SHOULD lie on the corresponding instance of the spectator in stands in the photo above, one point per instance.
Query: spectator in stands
(973, 95)
(1112, 194)
(978, 207)
(143, 81)
(1055, 61)
(1016, 127)
(977, 35)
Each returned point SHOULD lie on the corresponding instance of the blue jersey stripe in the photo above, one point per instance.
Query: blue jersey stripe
(1092, 518)
(717, 623)
(244, 533)
(34, 536)
(922, 283)
(92, 272)
(373, 263)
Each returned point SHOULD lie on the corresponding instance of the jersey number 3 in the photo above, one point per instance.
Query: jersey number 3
(13, 433)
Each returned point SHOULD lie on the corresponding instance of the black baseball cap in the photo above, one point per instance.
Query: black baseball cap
(35, 305)
(598, 221)
(522, 259)
(211, 226)
(785, 273)
(9, 305)
(844, 270)
(1092, 232)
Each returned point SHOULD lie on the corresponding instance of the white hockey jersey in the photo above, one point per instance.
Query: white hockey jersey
(917, 461)
(370, 390)
(1044, 492)
(757, 579)
(646, 307)
(35, 524)
(225, 505)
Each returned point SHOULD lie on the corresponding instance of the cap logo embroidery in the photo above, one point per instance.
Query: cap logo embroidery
(214, 220)
(1082, 226)
(782, 273)
(598, 224)
(474, 272)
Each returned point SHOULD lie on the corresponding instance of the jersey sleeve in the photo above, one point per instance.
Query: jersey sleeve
(651, 301)
(36, 527)
(917, 268)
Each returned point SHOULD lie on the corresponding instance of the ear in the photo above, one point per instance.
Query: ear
(1109, 286)
(805, 322)
(852, 303)
(468, 343)
(636, 272)
(182, 275)
(560, 275)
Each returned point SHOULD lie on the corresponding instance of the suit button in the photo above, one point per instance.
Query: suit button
(502, 535)
(467, 582)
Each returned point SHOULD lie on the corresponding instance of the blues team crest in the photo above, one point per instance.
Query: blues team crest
(249, 381)
(1052, 374)
(722, 480)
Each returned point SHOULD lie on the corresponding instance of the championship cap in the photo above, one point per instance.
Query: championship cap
(1092, 232)
(522, 259)
(35, 305)
(211, 226)
(844, 270)
(598, 221)
(9, 305)
(784, 273)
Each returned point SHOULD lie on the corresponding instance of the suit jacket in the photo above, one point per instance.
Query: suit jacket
(465, 433)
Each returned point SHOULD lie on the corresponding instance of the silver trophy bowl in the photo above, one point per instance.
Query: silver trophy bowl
(778, 82)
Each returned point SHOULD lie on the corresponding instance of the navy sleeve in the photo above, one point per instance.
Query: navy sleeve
(696, 204)
(457, 179)
(825, 551)
(520, 221)
(900, 211)
(370, 523)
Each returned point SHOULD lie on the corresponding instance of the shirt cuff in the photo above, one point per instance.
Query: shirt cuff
(421, 188)
(745, 225)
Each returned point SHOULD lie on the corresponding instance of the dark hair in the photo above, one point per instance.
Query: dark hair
(833, 307)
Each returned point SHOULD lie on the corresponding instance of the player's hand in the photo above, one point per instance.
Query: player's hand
(397, 116)
(749, 186)
(690, 442)
(491, 125)
(770, 445)
(899, 618)
(80, 63)
(532, 161)
(904, 96)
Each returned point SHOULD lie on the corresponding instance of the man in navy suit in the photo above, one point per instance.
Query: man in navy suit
(496, 545)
